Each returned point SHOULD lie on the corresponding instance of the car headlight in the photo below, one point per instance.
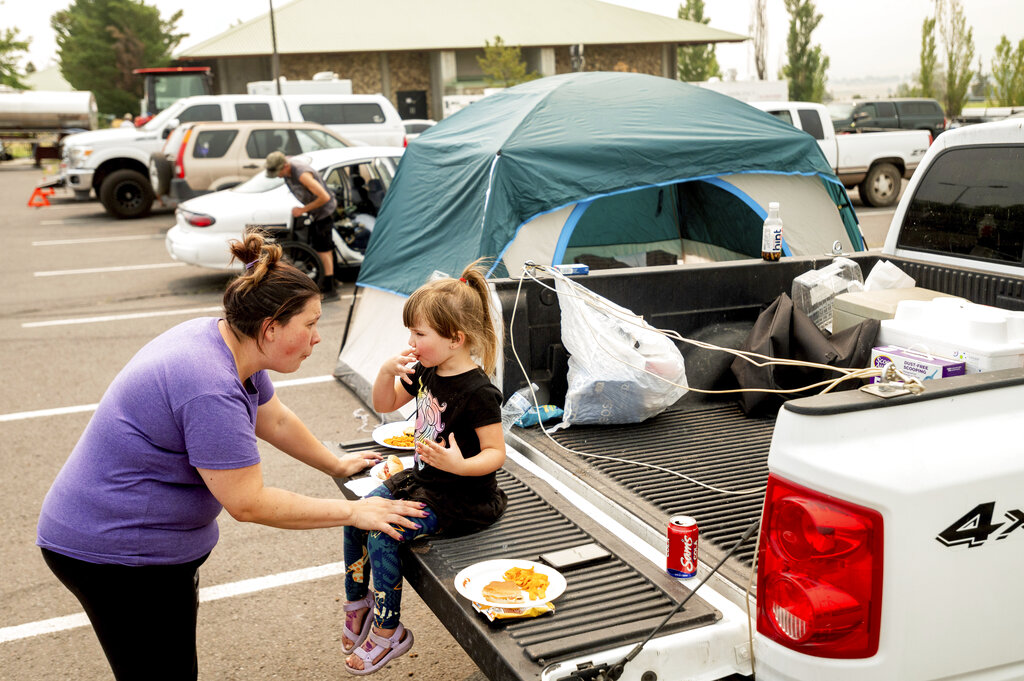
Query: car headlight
(77, 156)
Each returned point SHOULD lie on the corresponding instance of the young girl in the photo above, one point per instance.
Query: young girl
(459, 446)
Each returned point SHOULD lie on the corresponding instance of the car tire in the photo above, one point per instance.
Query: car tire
(160, 174)
(881, 187)
(304, 259)
(127, 194)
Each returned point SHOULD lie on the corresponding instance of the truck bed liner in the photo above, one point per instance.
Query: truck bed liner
(615, 602)
(716, 444)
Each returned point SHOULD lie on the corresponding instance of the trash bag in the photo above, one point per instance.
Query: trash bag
(621, 369)
(782, 331)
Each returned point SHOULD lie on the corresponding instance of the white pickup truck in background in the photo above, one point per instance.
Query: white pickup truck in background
(873, 162)
(891, 528)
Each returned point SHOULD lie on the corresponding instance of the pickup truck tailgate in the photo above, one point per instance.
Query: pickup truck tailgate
(612, 603)
(721, 450)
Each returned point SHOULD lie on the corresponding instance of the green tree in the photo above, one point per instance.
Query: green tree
(100, 42)
(10, 46)
(958, 42)
(696, 62)
(503, 65)
(929, 60)
(1008, 74)
(807, 65)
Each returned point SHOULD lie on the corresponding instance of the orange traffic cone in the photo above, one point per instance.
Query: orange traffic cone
(41, 194)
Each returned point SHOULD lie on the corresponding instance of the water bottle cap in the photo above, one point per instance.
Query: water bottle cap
(773, 205)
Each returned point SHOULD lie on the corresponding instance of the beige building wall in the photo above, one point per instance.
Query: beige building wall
(647, 58)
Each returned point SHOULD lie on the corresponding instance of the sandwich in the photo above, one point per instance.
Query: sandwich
(502, 592)
(392, 465)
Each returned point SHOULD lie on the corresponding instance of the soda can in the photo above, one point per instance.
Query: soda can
(682, 546)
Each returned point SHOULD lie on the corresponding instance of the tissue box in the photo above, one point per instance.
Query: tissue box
(852, 308)
(915, 364)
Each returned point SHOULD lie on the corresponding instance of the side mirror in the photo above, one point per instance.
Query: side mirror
(170, 126)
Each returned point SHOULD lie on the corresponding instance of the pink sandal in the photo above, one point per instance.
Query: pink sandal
(398, 644)
(357, 638)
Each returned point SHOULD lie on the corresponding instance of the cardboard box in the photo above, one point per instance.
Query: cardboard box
(915, 364)
(851, 309)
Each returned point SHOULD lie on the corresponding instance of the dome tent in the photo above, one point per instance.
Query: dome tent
(589, 165)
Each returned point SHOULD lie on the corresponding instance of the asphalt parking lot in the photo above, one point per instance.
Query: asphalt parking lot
(80, 293)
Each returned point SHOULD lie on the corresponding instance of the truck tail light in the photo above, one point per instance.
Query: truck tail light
(179, 160)
(819, 573)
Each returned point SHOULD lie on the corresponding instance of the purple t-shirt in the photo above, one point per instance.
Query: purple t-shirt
(129, 493)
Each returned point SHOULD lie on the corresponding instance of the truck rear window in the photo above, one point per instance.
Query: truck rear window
(969, 205)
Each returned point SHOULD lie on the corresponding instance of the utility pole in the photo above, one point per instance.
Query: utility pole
(275, 62)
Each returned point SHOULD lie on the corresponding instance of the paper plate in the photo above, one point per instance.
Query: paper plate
(377, 472)
(396, 429)
(471, 581)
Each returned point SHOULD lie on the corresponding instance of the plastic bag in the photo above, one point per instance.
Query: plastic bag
(621, 369)
(814, 291)
(885, 275)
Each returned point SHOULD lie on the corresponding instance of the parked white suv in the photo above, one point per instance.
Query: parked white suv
(115, 162)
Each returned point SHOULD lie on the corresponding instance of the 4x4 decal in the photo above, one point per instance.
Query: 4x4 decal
(976, 526)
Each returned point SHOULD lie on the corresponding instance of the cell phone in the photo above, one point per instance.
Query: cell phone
(584, 554)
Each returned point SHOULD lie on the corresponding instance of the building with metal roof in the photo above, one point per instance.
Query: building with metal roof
(418, 52)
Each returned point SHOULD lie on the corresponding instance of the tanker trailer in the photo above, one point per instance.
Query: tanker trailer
(28, 115)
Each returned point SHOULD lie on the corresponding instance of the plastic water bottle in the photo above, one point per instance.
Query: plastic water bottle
(517, 404)
(771, 234)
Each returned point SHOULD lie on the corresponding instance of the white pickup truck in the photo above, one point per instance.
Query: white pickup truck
(873, 162)
(891, 529)
(115, 162)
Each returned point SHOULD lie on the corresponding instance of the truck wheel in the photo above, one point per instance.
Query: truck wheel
(126, 194)
(304, 258)
(881, 186)
(160, 174)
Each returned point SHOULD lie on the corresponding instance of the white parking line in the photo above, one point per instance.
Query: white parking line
(97, 240)
(101, 270)
(207, 594)
(69, 221)
(120, 317)
(61, 411)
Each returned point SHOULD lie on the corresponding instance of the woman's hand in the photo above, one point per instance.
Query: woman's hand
(377, 513)
(352, 463)
(400, 365)
(440, 457)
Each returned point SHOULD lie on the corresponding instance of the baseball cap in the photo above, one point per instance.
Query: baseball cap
(275, 161)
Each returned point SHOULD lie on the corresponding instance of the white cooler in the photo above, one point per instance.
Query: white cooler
(985, 338)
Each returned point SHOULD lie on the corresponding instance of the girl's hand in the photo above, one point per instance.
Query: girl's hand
(352, 463)
(440, 457)
(377, 513)
(400, 365)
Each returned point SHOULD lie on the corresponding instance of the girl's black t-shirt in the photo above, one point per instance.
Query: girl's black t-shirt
(458, 405)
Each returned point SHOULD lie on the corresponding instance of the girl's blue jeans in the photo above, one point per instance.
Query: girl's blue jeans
(375, 553)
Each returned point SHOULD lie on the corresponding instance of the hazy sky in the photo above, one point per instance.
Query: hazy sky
(862, 38)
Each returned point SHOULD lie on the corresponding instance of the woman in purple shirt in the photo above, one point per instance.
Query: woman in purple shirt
(132, 514)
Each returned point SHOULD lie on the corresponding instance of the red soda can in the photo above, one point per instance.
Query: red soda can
(682, 546)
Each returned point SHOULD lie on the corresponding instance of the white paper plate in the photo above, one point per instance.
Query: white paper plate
(396, 429)
(471, 581)
(377, 472)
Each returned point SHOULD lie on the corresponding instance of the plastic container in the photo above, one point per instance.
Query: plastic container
(517, 404)
(814, 291)
(985, 338)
